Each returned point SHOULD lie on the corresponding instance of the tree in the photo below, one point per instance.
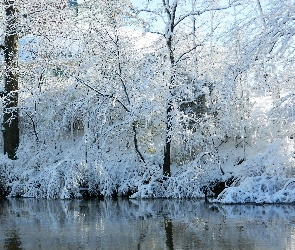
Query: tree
(34, 41)
(175, 13)
(106, 20)
(11, 74)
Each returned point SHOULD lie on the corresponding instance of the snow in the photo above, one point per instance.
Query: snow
(266, 176)
(112, 88)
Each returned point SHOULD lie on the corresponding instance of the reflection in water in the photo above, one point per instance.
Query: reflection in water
(169, 234)
(143, 224)
(13, 241)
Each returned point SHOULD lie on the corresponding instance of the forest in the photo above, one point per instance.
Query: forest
(148, 99)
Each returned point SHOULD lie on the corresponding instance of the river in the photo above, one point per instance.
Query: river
(144, 224)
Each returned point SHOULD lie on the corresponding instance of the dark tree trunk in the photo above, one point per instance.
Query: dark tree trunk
(10, 100)
(167, 148)
(169, 108)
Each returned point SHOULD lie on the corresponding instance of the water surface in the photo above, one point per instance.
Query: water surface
(143, 224)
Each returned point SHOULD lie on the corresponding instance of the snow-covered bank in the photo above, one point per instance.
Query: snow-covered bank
(265, 178)
(260, 190)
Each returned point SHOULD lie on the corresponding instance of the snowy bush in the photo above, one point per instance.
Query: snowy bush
(265, 178)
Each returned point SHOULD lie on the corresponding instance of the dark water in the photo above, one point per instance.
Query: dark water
(143, 224)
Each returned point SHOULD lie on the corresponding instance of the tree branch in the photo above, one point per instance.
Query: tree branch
(185, 53)
(148, 11)
(198, 13)
(34, 127)
(136, 142)
(105, 95)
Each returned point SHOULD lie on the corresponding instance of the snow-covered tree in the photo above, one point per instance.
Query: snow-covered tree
(11, 75)
(180, 20)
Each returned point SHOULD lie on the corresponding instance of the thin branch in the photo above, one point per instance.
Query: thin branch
(119, 65)
(261, 13)
(158, 33)
(185, 53)
(198, 13)
(105, 95)
(149, 11)
(166, 7)
(34, 127)
(136, 142)
(112, 39)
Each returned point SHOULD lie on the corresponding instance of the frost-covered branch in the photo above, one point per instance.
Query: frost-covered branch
(198, 13)
(34, 127)
(187, 52)
(102, 94)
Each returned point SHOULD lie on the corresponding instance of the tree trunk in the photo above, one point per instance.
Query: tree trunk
(167, 148)
(10, 100)
(171, 15)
